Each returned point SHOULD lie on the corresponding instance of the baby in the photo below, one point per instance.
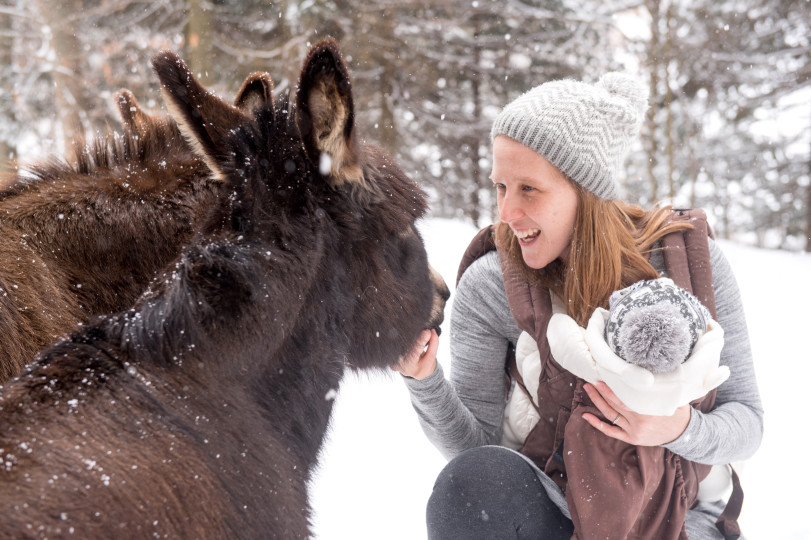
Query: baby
(657, 347)
(655, 324)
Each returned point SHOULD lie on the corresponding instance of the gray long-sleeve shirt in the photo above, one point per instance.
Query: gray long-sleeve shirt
(467, 410)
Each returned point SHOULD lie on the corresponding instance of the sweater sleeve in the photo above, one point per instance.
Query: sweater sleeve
(732, 431)
(466, 411)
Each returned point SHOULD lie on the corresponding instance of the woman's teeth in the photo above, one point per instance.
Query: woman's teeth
(528, 235)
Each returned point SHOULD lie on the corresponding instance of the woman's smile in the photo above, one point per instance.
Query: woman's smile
(527, 236)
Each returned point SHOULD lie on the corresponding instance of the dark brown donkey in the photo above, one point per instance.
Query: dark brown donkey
(199, 413)
(84, 237)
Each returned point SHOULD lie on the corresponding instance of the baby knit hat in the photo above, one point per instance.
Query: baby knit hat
(585, 130)
(655, 324)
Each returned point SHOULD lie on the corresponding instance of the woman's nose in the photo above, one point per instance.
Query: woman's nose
(509, 209)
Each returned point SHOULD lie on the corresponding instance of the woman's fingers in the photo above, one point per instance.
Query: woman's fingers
(628, 426)
(611, 408)
(433, 343)
(420, 361)
(606, 427)
(603, 398)
(609, 397)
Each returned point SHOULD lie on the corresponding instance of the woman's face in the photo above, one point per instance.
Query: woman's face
(535, 199)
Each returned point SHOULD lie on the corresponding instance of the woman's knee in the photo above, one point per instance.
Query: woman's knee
(489, 492)
(479, 470)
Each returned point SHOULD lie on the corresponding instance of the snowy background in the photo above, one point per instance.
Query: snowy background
(378, 468)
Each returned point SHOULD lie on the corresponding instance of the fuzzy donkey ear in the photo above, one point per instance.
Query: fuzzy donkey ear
(325, 113)
(204, 119)
(256, 92)
(133, 116)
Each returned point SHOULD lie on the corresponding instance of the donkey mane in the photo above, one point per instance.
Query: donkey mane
(151, 154)
(88, 233)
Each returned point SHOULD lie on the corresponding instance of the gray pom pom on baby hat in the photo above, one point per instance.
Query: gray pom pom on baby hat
(585, 130)
(655, 324)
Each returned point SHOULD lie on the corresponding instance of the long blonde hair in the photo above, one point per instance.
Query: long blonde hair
(610, 245)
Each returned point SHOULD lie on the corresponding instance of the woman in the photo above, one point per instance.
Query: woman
(565, 243)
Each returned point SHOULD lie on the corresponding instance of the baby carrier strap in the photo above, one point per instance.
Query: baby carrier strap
(483, 242)
(688, 264)
(687, 256)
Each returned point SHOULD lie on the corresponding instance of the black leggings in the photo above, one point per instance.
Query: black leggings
(490, 492)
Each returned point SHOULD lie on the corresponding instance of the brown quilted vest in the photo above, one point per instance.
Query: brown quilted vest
(614, 490)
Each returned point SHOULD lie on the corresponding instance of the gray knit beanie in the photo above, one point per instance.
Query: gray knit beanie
(584, 130)
(655, 324)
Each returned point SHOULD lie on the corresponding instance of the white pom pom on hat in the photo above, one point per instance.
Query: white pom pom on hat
(630, 89)
(657, 337)
(655, 324)
(585, 130)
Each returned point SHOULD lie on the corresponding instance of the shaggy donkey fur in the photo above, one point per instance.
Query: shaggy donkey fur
(84, 237)
(199, 413)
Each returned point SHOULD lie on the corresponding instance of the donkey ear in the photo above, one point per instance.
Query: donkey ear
(256, 92)
(133, 116)
(204, 119)
(325, 112)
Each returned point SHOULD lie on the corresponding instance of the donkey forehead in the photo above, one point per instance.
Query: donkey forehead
(390, 178)
(273, 143)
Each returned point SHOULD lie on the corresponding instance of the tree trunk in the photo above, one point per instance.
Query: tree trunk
(666, 59)
(808, 210)
(653, 65)
(387, 127)
(693, 172)
(71, 102)
(199, 40)
(6, 89)
(473, 139)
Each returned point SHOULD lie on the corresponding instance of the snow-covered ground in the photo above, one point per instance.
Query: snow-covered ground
(378, 468)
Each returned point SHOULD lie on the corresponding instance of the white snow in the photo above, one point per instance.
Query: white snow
(377, 468)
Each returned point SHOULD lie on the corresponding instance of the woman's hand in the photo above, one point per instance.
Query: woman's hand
(420, 362)
(631, 427)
